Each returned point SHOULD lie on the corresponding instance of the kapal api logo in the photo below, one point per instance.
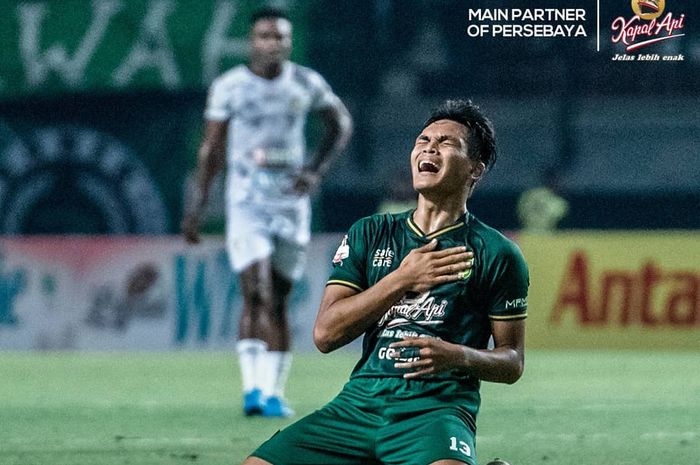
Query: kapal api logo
(650, 25)
(421, 309)
(648, 9)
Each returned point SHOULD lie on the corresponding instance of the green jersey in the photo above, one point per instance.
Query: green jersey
(459, 312)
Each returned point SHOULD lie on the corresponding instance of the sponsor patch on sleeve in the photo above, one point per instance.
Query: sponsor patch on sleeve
(342, 253)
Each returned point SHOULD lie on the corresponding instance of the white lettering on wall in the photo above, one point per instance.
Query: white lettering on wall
(217, 45)
(152, 49)
(70, 69)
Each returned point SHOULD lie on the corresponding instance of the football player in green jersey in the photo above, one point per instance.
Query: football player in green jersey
(427, 288)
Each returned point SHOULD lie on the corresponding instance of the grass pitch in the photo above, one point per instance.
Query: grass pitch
(583, 408)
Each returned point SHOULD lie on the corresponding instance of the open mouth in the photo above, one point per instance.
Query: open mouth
(426, 166)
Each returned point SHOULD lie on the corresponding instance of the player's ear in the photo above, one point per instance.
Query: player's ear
(477, 171)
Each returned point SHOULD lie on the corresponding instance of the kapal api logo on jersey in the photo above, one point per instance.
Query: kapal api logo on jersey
(650, 25)
(421, 309)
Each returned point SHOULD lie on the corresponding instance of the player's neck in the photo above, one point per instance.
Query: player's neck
(431, 216)
(266, 70)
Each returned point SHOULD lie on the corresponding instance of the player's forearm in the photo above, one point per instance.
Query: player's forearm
(208, 165)
(500, 365)
(344, 320)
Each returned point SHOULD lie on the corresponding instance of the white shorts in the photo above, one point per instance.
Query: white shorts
(255, 232)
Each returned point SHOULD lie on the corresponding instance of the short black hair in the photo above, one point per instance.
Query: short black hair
(481, 145)
(268, 12)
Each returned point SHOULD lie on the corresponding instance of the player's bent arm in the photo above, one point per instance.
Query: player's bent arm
(506, 361)
(345, 313)
(338, 129)
(503, 364)
(210, 160)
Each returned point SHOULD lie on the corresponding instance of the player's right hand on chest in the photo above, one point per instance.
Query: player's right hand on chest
(425, 267)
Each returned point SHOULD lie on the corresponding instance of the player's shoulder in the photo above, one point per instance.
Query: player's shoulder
(303, 71)
(380, 221)
(492, 241)
(232, 77)
(385, 218)
(306, 76)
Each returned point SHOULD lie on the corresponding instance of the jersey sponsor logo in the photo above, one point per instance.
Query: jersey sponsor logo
(383, 257)
(516, 303)
(422, 310)
(342, 253)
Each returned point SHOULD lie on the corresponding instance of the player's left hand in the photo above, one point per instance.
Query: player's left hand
(190, 228)
(306, 181)
(434, 356)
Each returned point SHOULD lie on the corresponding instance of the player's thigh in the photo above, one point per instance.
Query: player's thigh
(289, 259)
(424, 439)
(292, 229)
(248, 236)
(334, 435)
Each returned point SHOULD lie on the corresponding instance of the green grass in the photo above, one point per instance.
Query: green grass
(613, 408)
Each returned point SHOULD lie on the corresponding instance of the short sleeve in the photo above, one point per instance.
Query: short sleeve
(218, 105)
(322, 94)
(350, 259)
(509, 285)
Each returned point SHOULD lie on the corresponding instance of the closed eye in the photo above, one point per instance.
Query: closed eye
(449, 141)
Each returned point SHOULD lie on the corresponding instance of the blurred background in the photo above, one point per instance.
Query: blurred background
(101, 108)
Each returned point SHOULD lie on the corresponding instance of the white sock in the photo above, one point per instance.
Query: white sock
(249, 356)
(274, 368)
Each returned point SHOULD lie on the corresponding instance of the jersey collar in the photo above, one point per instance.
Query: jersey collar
(460, 223)
(286, 69)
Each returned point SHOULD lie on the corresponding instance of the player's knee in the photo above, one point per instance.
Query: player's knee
(255, 461)
(448, 462)
(258, 299)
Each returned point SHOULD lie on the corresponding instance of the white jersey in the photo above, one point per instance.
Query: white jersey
(266, 145)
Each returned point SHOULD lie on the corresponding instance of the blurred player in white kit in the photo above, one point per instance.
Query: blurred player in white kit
(255, 117)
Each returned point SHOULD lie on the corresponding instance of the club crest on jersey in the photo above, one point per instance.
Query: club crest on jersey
(342, 253)
(464, 275)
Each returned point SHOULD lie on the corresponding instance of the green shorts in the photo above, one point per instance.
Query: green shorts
(382, 421)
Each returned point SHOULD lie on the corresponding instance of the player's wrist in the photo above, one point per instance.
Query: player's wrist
(399, 282)
(465, 362)
(318, 165)
(311, 172)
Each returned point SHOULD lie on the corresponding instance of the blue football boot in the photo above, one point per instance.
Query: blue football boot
(276, 407)
(253, 403)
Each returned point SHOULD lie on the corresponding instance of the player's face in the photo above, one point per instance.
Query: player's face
(271, 40)
(439, 160)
